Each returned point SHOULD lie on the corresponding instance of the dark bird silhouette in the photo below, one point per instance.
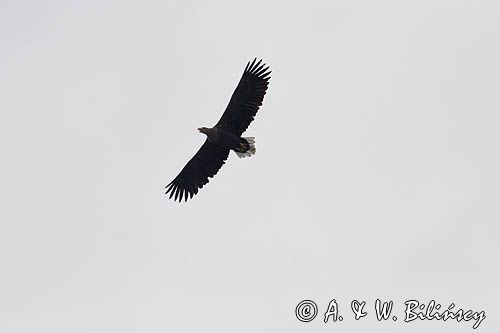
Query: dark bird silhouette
(225, 135)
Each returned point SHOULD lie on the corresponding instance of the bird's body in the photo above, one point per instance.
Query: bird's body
(225, 135)
(227, 139)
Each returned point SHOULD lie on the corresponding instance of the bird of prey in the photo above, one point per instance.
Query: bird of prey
(225, 135)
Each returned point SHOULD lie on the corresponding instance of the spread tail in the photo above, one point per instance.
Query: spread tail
(251, 148)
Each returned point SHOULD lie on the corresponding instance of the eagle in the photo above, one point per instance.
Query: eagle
(225, 135)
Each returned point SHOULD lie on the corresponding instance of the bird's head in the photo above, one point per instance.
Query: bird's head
(203, 130)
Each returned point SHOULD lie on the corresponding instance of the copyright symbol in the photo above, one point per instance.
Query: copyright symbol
(306, 311)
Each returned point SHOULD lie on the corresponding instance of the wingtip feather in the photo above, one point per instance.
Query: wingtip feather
(251, 65)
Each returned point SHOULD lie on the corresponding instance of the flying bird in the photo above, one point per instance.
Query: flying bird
(225, 135)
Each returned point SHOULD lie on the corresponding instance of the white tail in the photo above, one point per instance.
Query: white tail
(251, 151)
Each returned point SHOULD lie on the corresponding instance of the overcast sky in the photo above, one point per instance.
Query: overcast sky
(376, 173)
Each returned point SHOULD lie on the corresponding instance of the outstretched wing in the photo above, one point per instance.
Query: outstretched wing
(204, 165)
(246, 99)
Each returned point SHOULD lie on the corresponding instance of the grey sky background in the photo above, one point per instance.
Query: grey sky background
(376, 173)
